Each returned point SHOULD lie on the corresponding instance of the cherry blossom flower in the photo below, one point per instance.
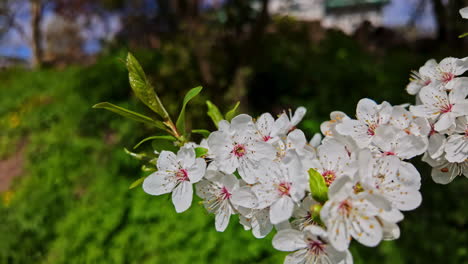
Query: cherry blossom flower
(380, 176)
(445, 108)
(393, 141)
(350, 212)
(176, 174)
(421, 78)
(333, 160)
(443, 171)
(222, 194)
(283, 185)
(309, 246)
(236, 147)
(284, 124)
(369, 117)
(464, 12)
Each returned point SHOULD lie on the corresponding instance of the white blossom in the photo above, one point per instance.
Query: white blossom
(236, 147)
(309, 246)
(284, 184)
(176, 174)
(445, 108)
(369, 117)
(456, 147)
(222, 194)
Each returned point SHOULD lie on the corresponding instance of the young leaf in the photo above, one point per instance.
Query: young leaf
(130, 114)
(232, 113)
(136, 183)
(139, 156)
(318, 187)
(170, 138)
(180, 124)
(200, 151)
(214, 113)
(163, 144)
(142, 87)
(203, 132)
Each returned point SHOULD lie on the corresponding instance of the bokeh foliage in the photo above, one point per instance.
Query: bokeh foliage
(72, 204)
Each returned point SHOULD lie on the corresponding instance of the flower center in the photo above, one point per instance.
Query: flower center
(182, 175)
(446, 108)
(358, 188)
(316, 247)
(284, 188)
(329, 176)
(371, 129)
(266, 138)
(239, 150)
(345, 208)
(447, 77)
(225, 194)
(389, 153)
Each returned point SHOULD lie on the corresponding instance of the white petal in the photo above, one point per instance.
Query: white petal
(289, 240)
(182, 196)
(265, 124)
(367, 231)
(186, 156)
(167, 161)
(222, 217)
(298, 115)
(436, 145)
(196, 172)
(367, 110)
(281, 210)
(158, 183)
(409, 175)
(445, 121)
(464, 12)
(297, 257)
(244, 197)
(358, 130)
(423, 111)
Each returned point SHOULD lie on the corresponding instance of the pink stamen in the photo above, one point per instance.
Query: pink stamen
(284, 188)
(447, 77)
(316, 247)
(329, 176)
(446, 108)
(432, 132)
(389, 153)
(225, 194)
(239, 150)
(344, 207)
(371, 130)
(266, 138)
(427, 82)
(182, 175)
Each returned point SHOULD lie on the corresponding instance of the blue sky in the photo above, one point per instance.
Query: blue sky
(396, 13)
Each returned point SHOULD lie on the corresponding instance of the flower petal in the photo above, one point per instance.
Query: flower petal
(182, 196)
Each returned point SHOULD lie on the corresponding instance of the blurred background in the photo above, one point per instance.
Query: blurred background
(64, 176)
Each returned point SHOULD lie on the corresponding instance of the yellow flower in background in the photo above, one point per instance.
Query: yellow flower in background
(15, 120)
(7, 197)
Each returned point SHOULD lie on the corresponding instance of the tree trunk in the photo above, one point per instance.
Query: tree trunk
(36, 40)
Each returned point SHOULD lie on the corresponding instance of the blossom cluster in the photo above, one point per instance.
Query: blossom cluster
(441, 100)
(352, 181)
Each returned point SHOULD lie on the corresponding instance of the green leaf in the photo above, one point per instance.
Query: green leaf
(130, 114)
(200, 151)
(143, 88)
(318, 187)
(136, 183)
(180, 124)
(139, 156)
(171, 138)
(463, 35)
(163, 144)
(203, 132)
(214, 113)
(232, 113)
(147, 168)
